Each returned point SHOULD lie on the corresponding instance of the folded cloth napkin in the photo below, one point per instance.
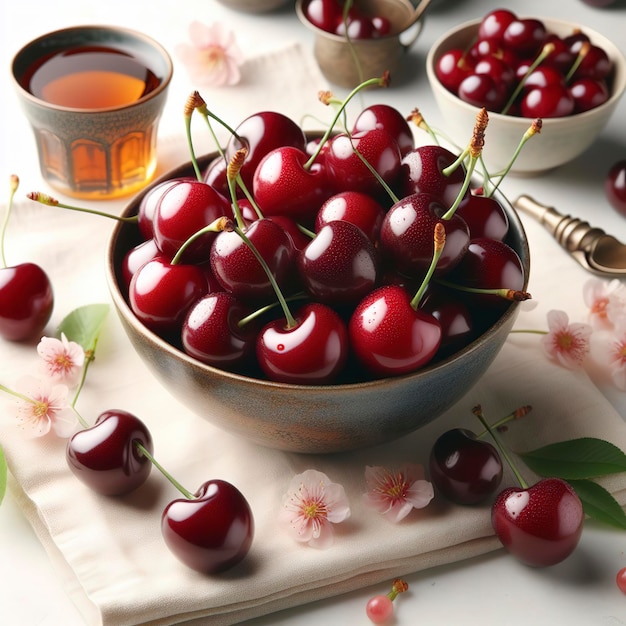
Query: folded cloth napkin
(110, 552)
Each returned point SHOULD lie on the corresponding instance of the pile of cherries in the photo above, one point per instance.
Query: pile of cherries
(518, 67)
(330, 15)
(339, 228)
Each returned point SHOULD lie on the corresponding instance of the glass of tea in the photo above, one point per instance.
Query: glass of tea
(93, 96)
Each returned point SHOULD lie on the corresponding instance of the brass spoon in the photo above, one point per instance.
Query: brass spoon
(596, 251)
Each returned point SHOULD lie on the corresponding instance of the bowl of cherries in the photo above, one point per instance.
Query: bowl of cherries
(319, 292)
(524, 68)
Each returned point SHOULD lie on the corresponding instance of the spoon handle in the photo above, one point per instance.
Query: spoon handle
(591, 247)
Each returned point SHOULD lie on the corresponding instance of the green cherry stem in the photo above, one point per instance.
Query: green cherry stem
(418, 120)
(44, 198)
(163, 471)
(478, 412)
(514, 295)
(503, 421)
(14, 183)
(439, 240)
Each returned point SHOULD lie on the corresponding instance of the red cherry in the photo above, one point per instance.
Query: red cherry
(138, 256)
(482, 90)
(620, 580)
(615, 186)
(594, 64)
(484, 217)
(313, 352)
(494, 23)
(340, 265)
(452, 67)
(465, 469)
(541, 525)
(553, 100)
(355, 27)
(211, 532)
(105, 456)
(148, 205)
(588, 94)
(388, 118)
(525, 36)
(184, 209)
(389, 336)
(160, 293)
(355, 207)
(211, 332)
(324, 14)
(26, 301)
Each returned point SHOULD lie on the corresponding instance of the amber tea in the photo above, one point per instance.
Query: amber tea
(90, 77)
(94, 96)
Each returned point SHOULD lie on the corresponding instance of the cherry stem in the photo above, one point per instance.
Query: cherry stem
(398, 586)
(14, 184)
(514, 415)
(529, 331)
(545, 51)
(582, 53)
(44, 198)
(439, 239)
(514, 295)
(478, 412)
(163, 471)
(532, 130)
(418, 119)
(268, 307)
(190, 106)
(215, 226)
(326, 98)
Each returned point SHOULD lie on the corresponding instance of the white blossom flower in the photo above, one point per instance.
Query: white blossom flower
(395, 493)
(311, 505)
(606, 300)
(566, 344)
(213, 58)
(44, 406)
(62, 359)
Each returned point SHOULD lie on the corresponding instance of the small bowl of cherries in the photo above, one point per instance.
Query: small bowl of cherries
(524, 68)
(319, 292)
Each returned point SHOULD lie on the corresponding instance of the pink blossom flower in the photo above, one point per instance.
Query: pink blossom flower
(213, 56)
(606, 301)
(63, 359)
(395, 494)
(566, 344)
(311, 505)
(44, 406)
(617, 355)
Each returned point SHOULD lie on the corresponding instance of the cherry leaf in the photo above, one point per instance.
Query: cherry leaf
(576, 459)
(599, 504)
(83, 325)
(3, 474)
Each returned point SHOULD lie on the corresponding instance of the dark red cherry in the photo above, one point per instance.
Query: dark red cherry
(148, 205)
(406, 235)
(482, 90)
(324, 14)
(541, 526)
(388, 118)
(382, 25)
(615, 186)
(525, 36)
(484, 217)
(138, 256)
(422, 170)
(105, 457)
(452, 67)
(553, 100)
(355, 207)
(183, 210)
(465, 469)
(160, 293)
(340, 265)
(495, 67)
(594, 64)
(26, 301)
(236, 267)
(494, 23)
(356, 26)
(588, 93)
(389, 336)
(211, 532)
(312, 352)
(561, 58)
(212, 334)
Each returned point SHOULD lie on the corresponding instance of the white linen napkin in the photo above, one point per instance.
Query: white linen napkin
(110, 552)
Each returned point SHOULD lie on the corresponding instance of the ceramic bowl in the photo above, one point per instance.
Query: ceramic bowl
(254, 6)
(561, 139)
(299, 418)
(348, 63)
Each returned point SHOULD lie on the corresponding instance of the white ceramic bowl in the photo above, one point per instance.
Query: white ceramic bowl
(561, 139)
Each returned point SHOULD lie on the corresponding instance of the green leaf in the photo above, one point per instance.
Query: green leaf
(576, 459)
(83, 325)
(599, 504)
(3, 474)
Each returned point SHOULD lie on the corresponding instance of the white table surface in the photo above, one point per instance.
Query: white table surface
(494, 589)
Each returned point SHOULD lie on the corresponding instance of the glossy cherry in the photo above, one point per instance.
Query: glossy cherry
(340, 265)
(483, 90)
(541, 525)
(211, 332)
(525, 36)
(389, 119)
(160, 293)
(212, 531)
(615, 186)
(452, 67)
(588, 94)
(26, 301)
(105, 456)
(136, 257)
(313, 351)
(355, 207)
(148, 205)
(391, 337)
(184, 209)
(484, 216)
(324, 14)
(553, 100)
(465, 469)
(494, 24)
